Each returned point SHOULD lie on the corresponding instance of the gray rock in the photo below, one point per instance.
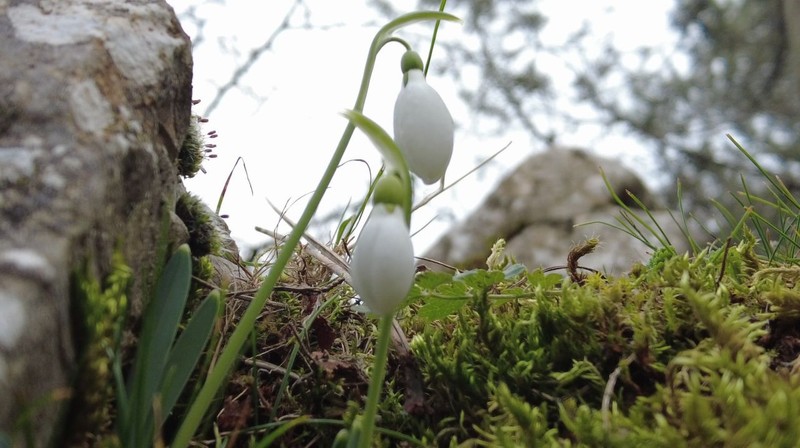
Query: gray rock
(537, 207)
(95, 99)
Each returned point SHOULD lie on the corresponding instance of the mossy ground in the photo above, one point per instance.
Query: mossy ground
(685, 351)
(697, 350)
(693, 349)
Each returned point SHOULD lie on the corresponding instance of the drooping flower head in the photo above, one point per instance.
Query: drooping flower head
(423, 127)
(382, 267)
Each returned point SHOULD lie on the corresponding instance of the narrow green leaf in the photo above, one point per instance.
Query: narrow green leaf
(380, 138)
(433, 38)
(160, 325)
(662, 237)
(281, 430)
(410, 18)
(769, 177)
(344, 226)
(187, 351)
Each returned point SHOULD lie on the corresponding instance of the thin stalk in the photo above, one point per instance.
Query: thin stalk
(376, 383)
(433, 41)
(237, 340)
(245, 326)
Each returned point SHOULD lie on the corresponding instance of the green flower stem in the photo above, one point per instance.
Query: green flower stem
(376, 382)
(399, 41)
(245, 326)
(237, 340)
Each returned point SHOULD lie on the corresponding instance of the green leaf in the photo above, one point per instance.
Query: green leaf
(453, 289)
(445, 294)
(513, 270)
(545, 281)
(437, 308)
(431, 280)
(480, 278)
(160, 324)
(187, 351)
(410, 18)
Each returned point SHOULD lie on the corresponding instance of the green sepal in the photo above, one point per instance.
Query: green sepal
(389, 190)
(392, 155)
(410, 61)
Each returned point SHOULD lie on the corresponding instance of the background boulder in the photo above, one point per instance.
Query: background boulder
(95, 100)
(536, 209)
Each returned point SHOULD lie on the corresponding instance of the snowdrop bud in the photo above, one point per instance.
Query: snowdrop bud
(423, 127)
(382, 268)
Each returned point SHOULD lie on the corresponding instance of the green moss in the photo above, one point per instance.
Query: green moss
(203, 232)
(676, 355)
(192, 152)
(100, 310)
(685, 351)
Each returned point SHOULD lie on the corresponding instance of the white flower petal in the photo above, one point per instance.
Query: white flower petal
(423, 128)
(382, 268)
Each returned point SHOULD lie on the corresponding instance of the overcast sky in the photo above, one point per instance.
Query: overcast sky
(283, 119)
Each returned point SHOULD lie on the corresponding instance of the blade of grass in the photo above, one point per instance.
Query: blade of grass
(663, 239)
(747, 205)
(282, 429)
(433, 39)
(228, 181)
(772, 179)
(684, 224)
(630, 216)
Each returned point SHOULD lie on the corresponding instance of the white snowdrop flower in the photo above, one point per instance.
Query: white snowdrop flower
(382, 268)
(423, 127)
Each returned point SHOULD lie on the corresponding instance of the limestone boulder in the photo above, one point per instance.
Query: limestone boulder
(537, 209)
(95, 98)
